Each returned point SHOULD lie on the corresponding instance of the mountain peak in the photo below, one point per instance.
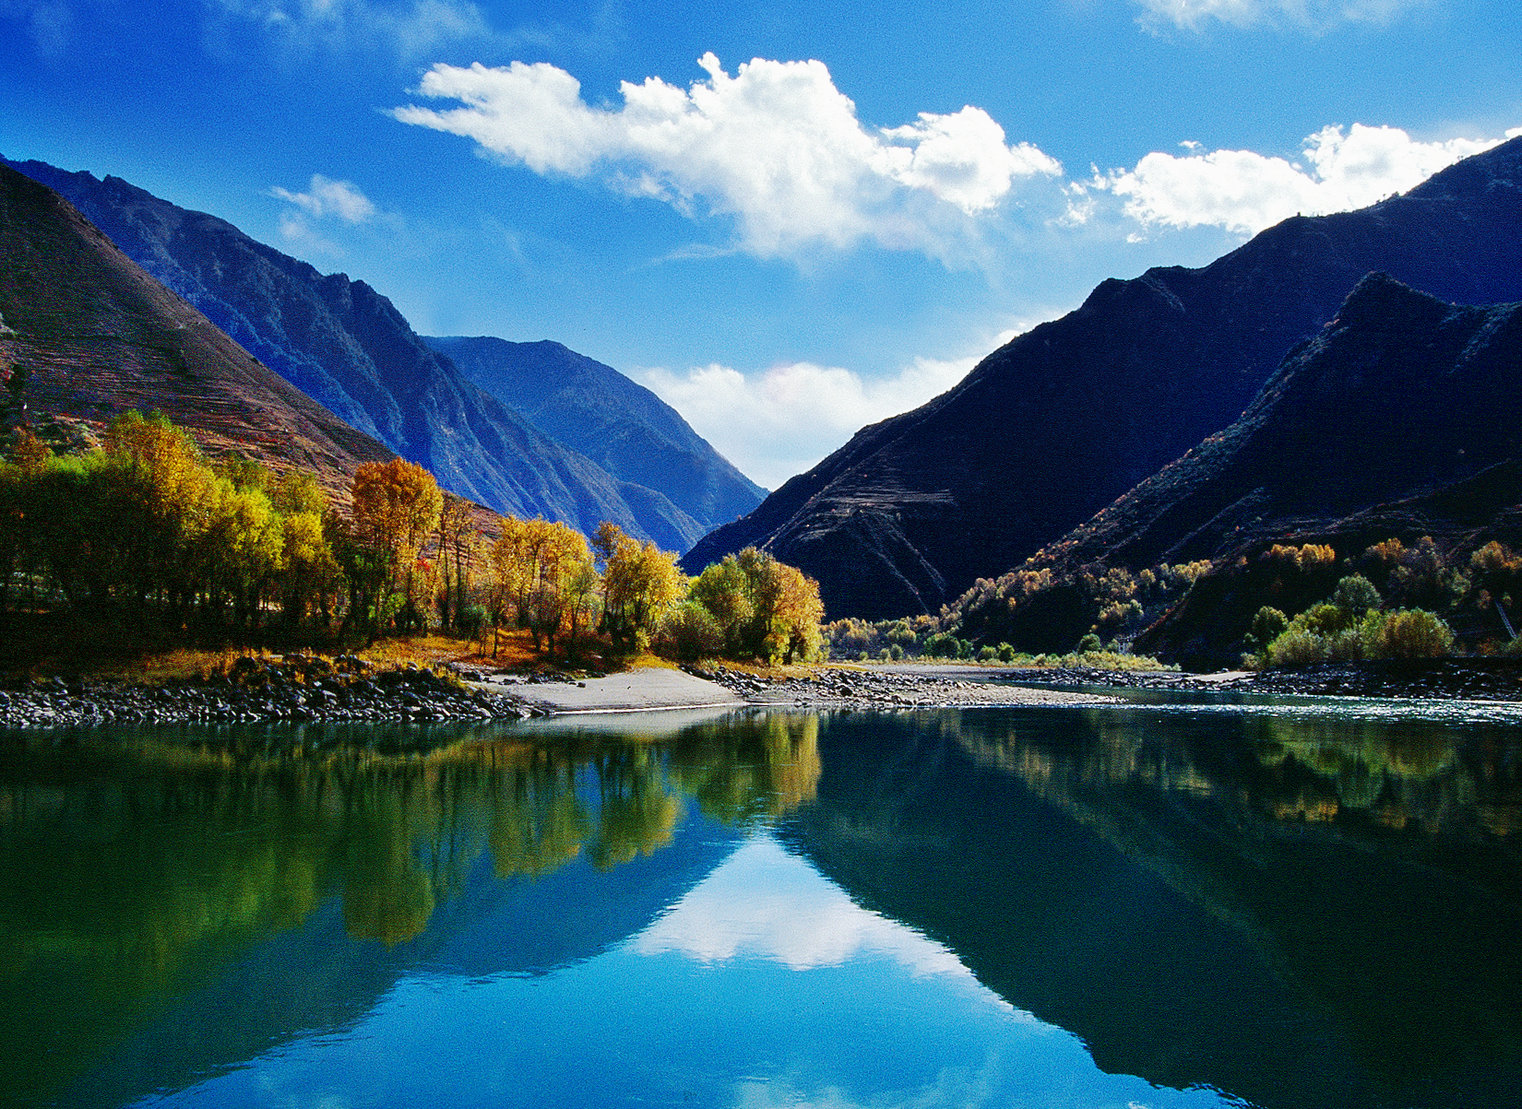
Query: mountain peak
(1062, 420)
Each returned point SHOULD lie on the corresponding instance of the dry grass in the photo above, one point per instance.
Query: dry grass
(44, 645)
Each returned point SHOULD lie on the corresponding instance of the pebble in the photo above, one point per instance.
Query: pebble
(296, 688)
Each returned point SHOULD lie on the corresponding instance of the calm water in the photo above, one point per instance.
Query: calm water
(1144, 905)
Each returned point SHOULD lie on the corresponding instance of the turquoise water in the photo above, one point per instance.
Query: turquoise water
(1284, 904)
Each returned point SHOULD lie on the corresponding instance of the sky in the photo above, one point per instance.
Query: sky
(789, 219)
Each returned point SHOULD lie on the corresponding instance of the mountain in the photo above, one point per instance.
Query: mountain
(1403, 418)
(1053, 426)
(92, 335)
(623, 427)
(346, 346)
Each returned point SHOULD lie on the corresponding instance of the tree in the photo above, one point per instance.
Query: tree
(396, 505)
(641, 582)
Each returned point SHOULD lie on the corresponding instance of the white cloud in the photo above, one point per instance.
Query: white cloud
(776, 146)
(782, 421)
(326, 197)
(410, 28)
(1311, 15)
(1244, 192)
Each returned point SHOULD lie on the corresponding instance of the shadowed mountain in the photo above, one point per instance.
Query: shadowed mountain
(346, 346)
(1402, 418)
(92, 335)
(623, 427)
(1053, 426)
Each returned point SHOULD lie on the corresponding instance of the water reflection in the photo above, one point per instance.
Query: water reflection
(1063, 907)
(136, 872)
(1304, 912)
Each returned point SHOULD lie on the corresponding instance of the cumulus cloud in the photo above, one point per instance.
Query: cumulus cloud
(410, 28)
(782, 421)
(1244, 192)
(1312, 15)
(776, 146)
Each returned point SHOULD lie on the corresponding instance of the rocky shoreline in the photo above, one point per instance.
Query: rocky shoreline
(1463, 679)
(305, 689)
(300, 689)
(859, 688)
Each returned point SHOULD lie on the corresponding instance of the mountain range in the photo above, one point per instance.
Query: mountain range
(620, 425)
(91, 335)
(345, 345)
(1055, 425)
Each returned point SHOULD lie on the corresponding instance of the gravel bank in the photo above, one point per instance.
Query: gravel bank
(295, 689)
(851, 687)
(1466, 679)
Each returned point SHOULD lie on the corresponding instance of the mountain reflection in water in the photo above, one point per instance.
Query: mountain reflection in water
(1301, 911)
(757, 909)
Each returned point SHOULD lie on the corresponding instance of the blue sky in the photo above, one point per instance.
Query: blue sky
(790, 219)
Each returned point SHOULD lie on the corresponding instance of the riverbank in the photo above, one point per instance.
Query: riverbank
(304, 689)
(1463, 679)
(347, 689)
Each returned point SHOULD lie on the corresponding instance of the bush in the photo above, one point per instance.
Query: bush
(1005, 652)
(1356, 594)
(988, 654)
(942, 645)
(1089, 645)
(1414, 633)
(470, 620)
(1295, 646)
(690, 632)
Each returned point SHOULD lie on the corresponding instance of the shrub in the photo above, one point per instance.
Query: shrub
(1089, 645)
(988, 654)
(470, 621)
(691, 632)
(1267, 625)
(1414, 633)
(1295, 646)
(1356, 594)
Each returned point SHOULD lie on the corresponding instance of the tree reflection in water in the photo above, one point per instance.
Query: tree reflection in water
(139, 868)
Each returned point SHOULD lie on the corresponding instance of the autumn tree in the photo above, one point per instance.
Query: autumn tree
(542, 573)
(766, 609)
(641, 583)
(396, 506)
(458, 542)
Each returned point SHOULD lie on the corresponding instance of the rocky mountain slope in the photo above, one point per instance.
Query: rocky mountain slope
(1401, 419)
(342, 343)
(91, 335)
(623, 427)
(1056, 424)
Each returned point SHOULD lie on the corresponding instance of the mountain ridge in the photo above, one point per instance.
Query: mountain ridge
(619, 424)
(96, 336)
(1053, 426)
(347, 346)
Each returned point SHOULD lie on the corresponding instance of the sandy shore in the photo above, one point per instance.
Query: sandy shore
(632, 691)
(656, 688)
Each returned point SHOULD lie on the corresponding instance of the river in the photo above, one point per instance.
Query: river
(1160, 903)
